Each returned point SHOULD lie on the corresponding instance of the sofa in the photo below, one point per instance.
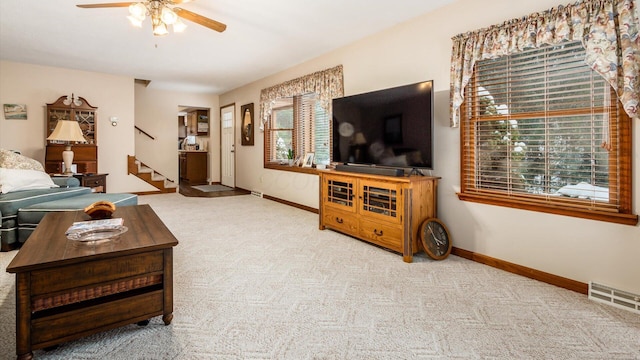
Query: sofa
(27, 194)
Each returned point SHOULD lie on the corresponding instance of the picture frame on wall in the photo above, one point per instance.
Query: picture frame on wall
(308, 160)
(15, 111)
(248, 128)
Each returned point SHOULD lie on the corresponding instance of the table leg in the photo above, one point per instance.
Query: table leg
(23, 316)
(168, 287)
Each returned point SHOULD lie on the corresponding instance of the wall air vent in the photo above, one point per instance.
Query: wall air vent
(614, 297)
(256, 193)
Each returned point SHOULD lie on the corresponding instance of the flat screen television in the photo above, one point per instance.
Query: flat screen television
(387, 128)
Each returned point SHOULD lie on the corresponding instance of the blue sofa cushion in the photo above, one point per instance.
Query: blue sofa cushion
(11, 202)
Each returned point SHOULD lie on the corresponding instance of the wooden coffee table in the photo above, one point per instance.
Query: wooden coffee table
(67, 289)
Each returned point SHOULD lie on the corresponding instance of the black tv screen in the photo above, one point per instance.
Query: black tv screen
(391, 127)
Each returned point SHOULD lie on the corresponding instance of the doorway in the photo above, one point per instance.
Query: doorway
(193, 145)
(227, 146)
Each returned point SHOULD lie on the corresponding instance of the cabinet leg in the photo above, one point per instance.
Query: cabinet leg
(407, 258)
(167, 318)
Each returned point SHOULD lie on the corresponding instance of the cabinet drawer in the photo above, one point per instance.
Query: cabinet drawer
(94, 272)
(389, 236)
(93, 181)
(340, 220)
(98, 183)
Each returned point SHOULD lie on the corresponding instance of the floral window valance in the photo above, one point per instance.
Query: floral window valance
(327, 84)
(608, 30)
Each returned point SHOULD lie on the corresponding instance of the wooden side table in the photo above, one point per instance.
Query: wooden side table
(97, 182)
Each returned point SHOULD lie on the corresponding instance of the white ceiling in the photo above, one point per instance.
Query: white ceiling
(262, 37)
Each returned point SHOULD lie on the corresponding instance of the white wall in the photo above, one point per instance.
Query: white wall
(583, 250)
(154, 111)
(157, 114)
(36, 86)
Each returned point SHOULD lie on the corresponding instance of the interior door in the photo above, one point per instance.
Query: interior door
(227, 146)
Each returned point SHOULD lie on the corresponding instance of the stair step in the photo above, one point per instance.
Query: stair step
(169, 184)
(137, 168)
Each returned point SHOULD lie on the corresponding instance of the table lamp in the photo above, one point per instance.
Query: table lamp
(67, 131)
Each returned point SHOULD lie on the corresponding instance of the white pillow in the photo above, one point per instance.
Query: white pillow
(21, 179)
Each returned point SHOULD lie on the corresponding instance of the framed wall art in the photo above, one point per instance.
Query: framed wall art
(15, 111)
(246, 112)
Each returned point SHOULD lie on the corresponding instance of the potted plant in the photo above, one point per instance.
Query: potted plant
(290, 157)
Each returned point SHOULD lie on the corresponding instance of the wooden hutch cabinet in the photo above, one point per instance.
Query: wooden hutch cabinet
(383, 210)
(85, 155)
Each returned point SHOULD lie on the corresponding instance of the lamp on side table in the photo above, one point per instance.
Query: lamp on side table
(67, 131)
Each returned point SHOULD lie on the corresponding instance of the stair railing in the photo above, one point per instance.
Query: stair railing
(144, 132)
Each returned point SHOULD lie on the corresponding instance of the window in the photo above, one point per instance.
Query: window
(280, 133)
(299, 124)
(542, 131)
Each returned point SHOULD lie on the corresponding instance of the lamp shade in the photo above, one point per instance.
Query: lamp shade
(359, 139)
(67, 130)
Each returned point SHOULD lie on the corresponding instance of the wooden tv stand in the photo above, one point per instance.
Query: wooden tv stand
(383, 210)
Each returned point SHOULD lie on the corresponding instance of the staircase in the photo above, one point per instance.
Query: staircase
(142, 171)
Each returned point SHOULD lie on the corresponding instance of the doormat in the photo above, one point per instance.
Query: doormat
(212, 188)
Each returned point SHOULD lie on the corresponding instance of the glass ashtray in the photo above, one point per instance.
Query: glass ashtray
(100, 233)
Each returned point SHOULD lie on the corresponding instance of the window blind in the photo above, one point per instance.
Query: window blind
(314, 129)
(541, 127)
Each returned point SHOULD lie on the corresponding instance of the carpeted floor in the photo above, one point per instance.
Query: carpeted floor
(255, 279)
(212, 188)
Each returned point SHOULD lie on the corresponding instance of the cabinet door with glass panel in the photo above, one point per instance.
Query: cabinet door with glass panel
(74, 108)
(340, 192)
(381, 200)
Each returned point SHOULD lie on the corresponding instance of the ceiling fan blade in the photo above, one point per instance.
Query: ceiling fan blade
(199, 19)
(91, 6)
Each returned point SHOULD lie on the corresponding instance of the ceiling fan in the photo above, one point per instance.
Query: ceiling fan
(162, 13)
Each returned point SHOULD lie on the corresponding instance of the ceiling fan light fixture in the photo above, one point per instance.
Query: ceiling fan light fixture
(162, 14)
(179, 26)
(138, 10)
(160, 29)
(168, 16)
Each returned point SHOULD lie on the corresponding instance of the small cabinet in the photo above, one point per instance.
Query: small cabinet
(193, 167)
(386, 211)
(198, 122)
